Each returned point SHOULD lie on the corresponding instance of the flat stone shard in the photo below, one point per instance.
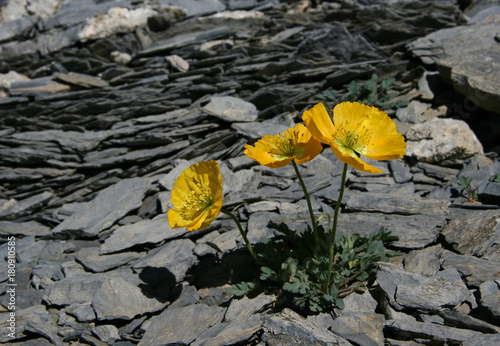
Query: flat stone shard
(105, 209)
(116, 298)
(490, 297)
(231, 109)
(430, 331)
(13, 209)
(409, 290)
(394, 204)
(194, 319)
(442, 139)
(176, 256)
(289, 327)
(143, 232)
(468, 57)
(476, 235)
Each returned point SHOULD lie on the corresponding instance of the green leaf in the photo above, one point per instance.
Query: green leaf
(242, 288)
(353, 88)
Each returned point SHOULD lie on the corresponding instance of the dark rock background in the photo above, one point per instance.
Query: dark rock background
(104, 103)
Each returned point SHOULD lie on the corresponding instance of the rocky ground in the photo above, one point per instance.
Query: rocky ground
(104, 103)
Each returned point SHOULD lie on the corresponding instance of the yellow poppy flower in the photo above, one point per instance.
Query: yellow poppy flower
(296, 143)
(357, 129)
(196, 196)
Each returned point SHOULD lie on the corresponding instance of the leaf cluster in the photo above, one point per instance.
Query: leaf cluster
(466, 189)
(371, 92)
(297, 269)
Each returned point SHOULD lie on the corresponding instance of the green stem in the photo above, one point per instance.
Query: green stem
(247, 243)
(334, 228)
(309, 205)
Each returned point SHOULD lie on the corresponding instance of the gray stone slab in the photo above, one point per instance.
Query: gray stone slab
(230, 333)
(23, 229)
(105, 209)
(183, 40)
(116, 298)
(194, 319)
(476, 235)
(468, 57)
(176, 256)
(231, 109)
(93, 260)
(396, 204)
(413, 231)
(430, 331)
(12, 209)
(410, 290)
(288, 326)
(474, 270)
(140, 233)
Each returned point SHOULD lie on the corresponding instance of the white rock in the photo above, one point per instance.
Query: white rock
(177, 63)
(117, 20)
(442, 139)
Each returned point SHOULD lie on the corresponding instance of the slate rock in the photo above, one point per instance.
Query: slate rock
(409, 290)
(424, 262)
(459, 319)
(348, 46)
(13, 209)
(413, 112)
(476, 235)
(400, 171)
(36, 313)
(484, 339)
(288, 327)
(72, 140)
(107, 333)
(106, 208)
(257, 130)
(490, 297)
(231, 109)
(23, 229)
(360, 328)
(82, 80)
(231, 333)
(430, 332)
(92, 260)
(246, 307)
(76, 290)
(82, 312)
(116, 298)
(194, 319)
(489, 192)
(183, 40)
(144, 232)
(395, 204)
(413, 231)
(176, 256)
(467, 56)
(475, 271)
(442, 139)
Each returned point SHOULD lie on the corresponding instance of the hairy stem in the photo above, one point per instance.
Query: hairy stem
(247, 243)
(334, 228)
(309, 205)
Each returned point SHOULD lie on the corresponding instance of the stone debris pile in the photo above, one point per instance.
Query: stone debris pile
(104, 103)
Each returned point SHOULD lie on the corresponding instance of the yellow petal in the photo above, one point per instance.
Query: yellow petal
(196, 196)
(320, 125)
(353, 160)
(386, 148)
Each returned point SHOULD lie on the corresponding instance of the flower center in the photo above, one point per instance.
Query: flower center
(198, 201)
(282, 147)
(350, 142)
